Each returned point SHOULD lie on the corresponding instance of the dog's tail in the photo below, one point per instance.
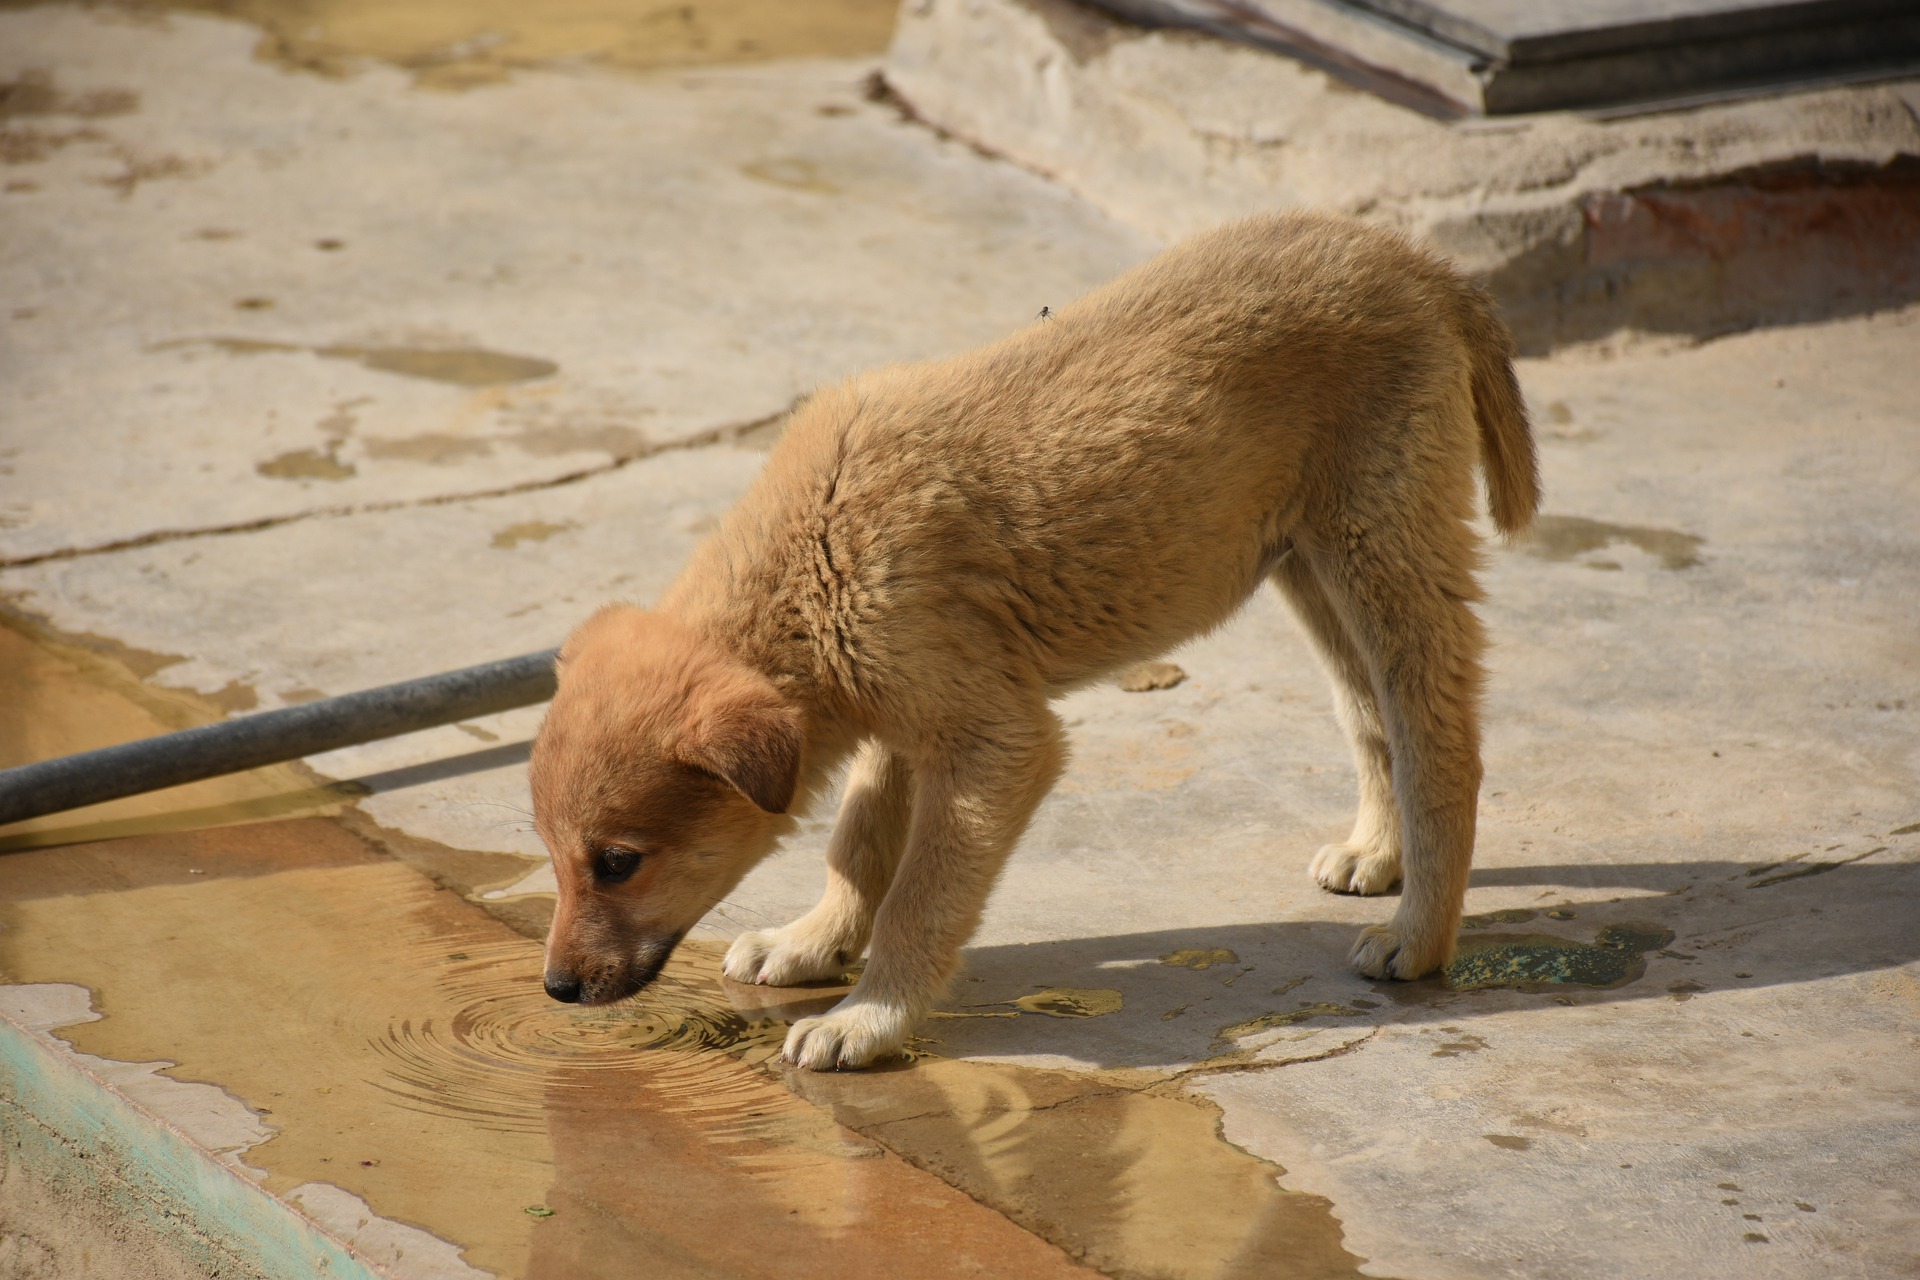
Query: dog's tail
(1506, 437)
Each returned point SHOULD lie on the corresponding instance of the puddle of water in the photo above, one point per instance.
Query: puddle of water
(1199, 957)
(398, 1044)
(461, 366)
(1526, 960)
(1561, 538)
(1070, 1002)
(57, 699)
(1270, 1021)
(1129, 1181)
(1513, 915)
(459, 44)
(1053, 1002)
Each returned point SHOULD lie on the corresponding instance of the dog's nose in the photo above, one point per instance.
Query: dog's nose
(564, 988)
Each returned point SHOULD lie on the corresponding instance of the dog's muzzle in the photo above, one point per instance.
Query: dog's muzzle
(608, 985)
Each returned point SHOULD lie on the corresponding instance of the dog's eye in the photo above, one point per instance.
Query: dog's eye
(613, 864)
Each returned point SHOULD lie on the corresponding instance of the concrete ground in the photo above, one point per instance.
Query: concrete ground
(350, 349)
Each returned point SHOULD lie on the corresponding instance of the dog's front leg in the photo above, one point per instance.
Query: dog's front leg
(862, 855)
(969, 807)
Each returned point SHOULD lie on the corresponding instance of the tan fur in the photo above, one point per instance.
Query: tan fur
(934, 552)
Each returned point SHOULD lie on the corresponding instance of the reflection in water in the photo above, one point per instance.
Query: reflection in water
(665, 1139)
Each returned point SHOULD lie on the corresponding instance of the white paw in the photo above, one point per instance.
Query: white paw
(1352, 868)
(1386, 951)
(779, 959)
(851, 1034)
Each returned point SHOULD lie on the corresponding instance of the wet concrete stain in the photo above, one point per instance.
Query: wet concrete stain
(1462, 1043)
(1798, 869)
(1149, 676)
(61, 695)
(1307, 1012)
(1512, 915)
(792, 173)
(1050, 1002)
(1199, 957)
(528, 531)
(1071, 1002)
(306, 464)
(136, 169)
(1562, 538)
(432, 447)
(465, 44)
(31, 145)
(552, 441)
(34, 93)
(1528, 961)
(234, 696)
(34, 96)
(460, 366)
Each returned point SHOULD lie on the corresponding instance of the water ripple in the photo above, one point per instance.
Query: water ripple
(507, 1054)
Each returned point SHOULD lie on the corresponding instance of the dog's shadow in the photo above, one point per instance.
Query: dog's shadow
(1644, 931)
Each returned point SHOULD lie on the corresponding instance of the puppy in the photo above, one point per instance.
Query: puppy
(934, 552)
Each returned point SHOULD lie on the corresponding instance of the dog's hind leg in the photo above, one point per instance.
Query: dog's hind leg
(1369, 859)
(971, 801)
(1400, 578)
(862, 855)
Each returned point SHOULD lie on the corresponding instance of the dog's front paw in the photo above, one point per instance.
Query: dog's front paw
(779, 959)
(852, 1034)
(1386, 951)
(1352, 868)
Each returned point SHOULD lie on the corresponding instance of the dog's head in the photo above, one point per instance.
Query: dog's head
(661, 775)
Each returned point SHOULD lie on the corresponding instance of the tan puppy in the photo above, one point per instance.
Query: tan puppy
(936, 551)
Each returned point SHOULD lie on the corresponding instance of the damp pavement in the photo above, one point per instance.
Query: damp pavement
(356, 342)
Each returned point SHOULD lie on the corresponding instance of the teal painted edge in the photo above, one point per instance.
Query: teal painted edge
(91, 1140)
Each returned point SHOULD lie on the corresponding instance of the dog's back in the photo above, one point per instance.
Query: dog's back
(1116, 478)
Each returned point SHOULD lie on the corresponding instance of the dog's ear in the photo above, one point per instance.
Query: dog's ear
(751, 738)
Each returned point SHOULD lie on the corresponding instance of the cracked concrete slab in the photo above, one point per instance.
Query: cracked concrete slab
(275, 320)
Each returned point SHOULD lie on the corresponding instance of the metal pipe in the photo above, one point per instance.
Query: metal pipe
(273, 736)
